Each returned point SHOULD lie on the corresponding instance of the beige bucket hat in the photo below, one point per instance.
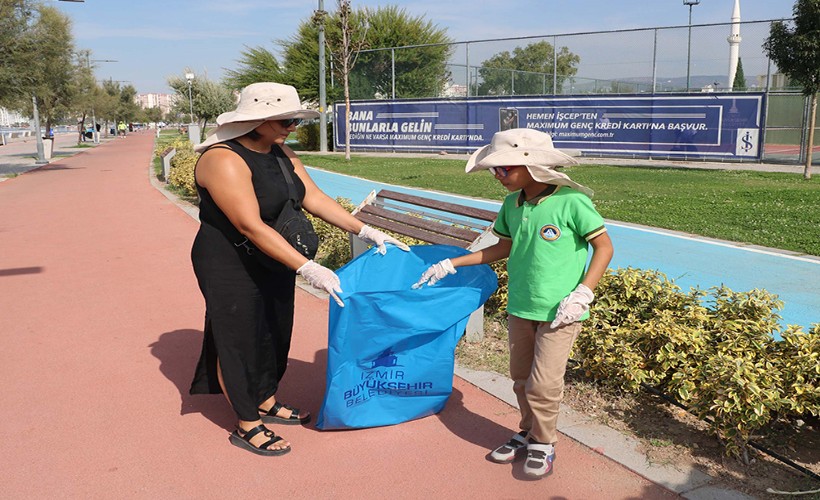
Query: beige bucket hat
(258, 102)
(529, 148)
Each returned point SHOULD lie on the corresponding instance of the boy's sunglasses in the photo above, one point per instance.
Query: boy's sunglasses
(290, 121)
(500, 171)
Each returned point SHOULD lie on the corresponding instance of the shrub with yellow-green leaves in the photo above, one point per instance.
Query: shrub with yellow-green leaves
(334, 245)
(714, 351)
(798, 356)
(181, 175)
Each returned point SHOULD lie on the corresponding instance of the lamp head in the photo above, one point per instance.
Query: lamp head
(691, 2)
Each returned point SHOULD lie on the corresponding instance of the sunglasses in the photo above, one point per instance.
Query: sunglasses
(290, 122)
(500, 171)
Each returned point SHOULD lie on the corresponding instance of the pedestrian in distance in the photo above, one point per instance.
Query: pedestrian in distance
(545, 227)
(122, 129)
(246, 177)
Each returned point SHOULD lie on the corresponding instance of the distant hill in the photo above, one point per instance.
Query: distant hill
(679, 83)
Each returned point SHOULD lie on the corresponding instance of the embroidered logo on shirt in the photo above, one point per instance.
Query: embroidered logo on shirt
(550, 232)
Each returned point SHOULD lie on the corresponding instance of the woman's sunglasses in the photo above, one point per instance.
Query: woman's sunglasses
(500, 171)
(290, 121)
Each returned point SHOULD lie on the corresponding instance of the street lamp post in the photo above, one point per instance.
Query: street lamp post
(322, 84)
(690, 3)
(190, 78)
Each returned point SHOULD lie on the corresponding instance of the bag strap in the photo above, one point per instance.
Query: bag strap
(280, 159)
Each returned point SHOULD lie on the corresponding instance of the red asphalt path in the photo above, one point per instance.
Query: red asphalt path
(101, 322)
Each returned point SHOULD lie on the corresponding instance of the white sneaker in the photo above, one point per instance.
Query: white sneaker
(507, 452)
(539, 460)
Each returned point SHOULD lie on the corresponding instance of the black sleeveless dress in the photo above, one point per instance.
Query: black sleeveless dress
(248, 307)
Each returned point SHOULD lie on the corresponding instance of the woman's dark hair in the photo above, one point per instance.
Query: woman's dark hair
(253, 135)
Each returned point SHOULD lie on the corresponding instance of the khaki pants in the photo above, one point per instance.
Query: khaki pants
(538, 362)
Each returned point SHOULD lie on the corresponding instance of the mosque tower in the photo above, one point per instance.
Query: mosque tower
(734, 44)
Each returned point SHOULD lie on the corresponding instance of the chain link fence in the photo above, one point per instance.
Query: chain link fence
(674, 59)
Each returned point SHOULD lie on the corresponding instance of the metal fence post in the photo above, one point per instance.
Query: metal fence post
(393, 69)
(554, 65)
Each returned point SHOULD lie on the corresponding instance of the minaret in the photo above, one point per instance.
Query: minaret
(734, 44)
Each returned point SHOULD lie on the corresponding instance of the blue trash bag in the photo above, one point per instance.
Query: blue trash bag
(391, 349)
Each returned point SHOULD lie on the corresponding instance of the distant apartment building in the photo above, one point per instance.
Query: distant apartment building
(161, 101)
(9, 118)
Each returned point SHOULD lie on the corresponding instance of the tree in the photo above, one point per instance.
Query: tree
(420, 70)
(796, 51)
(152, 115)
(16, 56)
(52, 65)
(86, 88)
(257, 64)
(527, 70)
(119, 103)
(739, 84)
(208, 98)
(346, 42)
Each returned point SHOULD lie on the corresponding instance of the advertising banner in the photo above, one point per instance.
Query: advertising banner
(708, 125)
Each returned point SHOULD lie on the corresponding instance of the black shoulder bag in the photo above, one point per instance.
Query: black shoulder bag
(292, 222)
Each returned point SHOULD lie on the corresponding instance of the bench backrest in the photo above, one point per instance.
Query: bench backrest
(425, 219)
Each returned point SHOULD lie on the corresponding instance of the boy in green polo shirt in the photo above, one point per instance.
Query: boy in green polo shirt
(545, 227)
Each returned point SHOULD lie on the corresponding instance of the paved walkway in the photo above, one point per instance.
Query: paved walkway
(102, 319)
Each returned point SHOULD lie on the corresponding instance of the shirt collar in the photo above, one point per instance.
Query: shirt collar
(547, 192)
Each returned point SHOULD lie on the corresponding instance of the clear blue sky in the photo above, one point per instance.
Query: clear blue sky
(152, 40)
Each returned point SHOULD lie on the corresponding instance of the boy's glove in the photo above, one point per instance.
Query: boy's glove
(378, 239)
(435, 273)
(573, 306)
(322, 278)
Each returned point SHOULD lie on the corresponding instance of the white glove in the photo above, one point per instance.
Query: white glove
(573, 306)
(322, 278)
(435, 272)
(378, 239)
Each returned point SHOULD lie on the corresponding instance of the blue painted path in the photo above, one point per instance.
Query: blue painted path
(688, 261)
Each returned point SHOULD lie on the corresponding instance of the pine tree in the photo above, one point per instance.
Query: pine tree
(740, 79)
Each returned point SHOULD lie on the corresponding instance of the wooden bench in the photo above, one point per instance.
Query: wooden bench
(431, 221)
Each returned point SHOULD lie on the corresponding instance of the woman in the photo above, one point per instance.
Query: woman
(242, 181)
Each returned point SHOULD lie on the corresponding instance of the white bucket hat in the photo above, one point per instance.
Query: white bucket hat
(258, 102)
(529, 148)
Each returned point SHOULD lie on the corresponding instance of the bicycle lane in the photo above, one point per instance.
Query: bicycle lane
(689, 260)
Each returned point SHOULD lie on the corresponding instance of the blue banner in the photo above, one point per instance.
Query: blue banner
(714, 125)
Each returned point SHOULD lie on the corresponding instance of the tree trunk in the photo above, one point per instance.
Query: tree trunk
(346, 71)
(810, 141)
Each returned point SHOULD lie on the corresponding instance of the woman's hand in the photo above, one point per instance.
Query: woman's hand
(378, 239)
(322, 278)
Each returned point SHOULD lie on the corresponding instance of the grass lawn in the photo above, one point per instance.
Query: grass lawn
(770, 209)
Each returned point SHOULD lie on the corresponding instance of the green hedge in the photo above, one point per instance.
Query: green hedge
(713, 350)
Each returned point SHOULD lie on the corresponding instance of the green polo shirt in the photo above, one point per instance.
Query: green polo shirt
(548, 257)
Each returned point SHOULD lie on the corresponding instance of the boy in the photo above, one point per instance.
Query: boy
(544, 228)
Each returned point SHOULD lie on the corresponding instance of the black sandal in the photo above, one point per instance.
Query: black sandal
(242, 439)
(270, 417)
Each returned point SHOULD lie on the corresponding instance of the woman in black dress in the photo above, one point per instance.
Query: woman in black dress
(241, 179)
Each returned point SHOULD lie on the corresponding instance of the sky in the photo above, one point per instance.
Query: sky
(152, 40)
